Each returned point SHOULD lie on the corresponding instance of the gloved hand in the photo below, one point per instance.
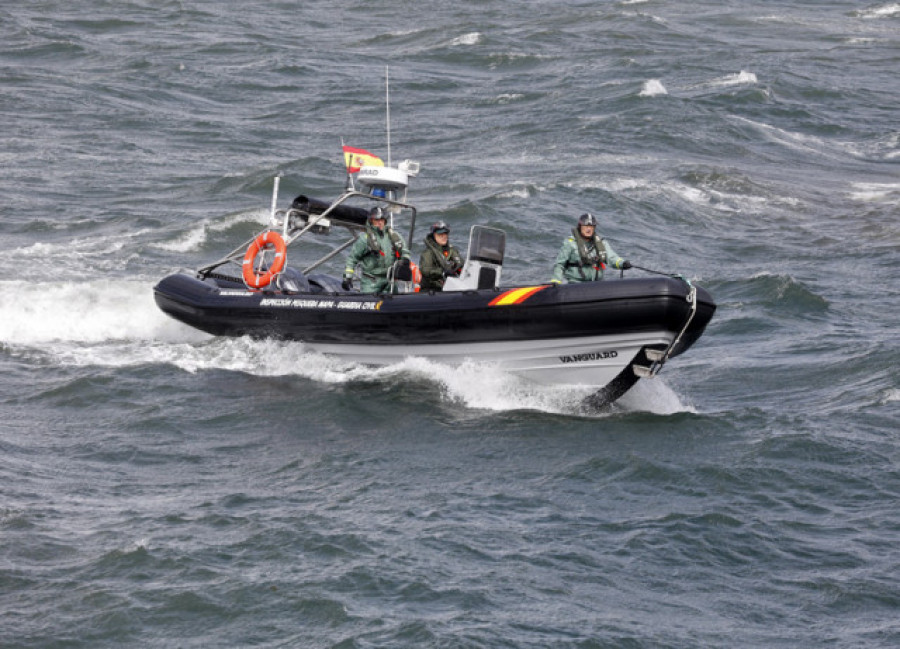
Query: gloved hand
(626, 265)
(347, 284)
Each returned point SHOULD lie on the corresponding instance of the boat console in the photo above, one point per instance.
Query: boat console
(484, 261)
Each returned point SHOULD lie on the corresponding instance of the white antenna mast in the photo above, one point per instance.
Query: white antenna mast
(387, 103)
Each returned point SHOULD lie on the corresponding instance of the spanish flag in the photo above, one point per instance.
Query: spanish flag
(357, 158)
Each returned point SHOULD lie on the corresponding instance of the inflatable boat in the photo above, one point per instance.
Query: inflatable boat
(604, 335)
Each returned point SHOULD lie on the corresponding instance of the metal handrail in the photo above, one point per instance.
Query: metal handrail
(290, 237)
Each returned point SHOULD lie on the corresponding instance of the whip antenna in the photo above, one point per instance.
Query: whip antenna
(387, 104)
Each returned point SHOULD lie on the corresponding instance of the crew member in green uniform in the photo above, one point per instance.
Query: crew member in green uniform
(375, 251)
(585, 254)
(440, 260)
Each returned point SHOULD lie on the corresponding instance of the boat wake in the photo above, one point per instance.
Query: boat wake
(115, 323)
(97, 311)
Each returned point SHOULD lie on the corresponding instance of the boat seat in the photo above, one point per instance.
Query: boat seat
(321, 283)
(292, 280)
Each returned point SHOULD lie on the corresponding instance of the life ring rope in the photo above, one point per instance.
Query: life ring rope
(265, 241)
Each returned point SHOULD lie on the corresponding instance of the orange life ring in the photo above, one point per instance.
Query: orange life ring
(265, 241)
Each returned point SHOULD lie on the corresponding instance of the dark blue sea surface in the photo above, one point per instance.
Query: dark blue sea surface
(163, 488)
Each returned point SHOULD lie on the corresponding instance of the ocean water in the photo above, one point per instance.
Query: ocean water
(162, 488)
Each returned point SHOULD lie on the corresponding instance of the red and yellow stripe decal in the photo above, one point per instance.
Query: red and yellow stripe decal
(516, 295)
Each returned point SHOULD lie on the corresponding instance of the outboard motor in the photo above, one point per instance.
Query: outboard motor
(484, 261)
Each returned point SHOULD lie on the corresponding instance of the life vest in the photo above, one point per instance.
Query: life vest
(375, 248)
(593, 257)
(448, 262)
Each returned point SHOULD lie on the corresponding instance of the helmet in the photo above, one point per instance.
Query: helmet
(439, 227)
(376, 213)
(587, 219)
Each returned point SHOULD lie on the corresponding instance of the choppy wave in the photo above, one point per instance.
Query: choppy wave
(888, 193)
(876, 12)
(741, 78)
(472, 38)
(193, 239)
(777, 294)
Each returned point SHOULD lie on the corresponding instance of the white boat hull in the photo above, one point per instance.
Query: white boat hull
(592, 361)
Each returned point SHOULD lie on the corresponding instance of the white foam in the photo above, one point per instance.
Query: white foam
(508, 97)
(741, 78)
(74, 258)
(481, 386)
(627, 184)
(517, 192)
(653, 88)
(84, 312)
(876, 192)
(793, 140)
(472, 38)
(887, 148)
(193, 239)
(722, 201)
(260, 358)
(885, 11)
(477, 386)
(654, 396)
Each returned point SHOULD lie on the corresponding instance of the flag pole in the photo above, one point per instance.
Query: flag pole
(349, 186)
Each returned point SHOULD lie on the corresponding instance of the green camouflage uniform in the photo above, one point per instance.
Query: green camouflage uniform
(584, 265)
(438, 262)
(375, 251)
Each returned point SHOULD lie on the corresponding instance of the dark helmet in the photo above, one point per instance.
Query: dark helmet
(376, 213)
(587, 219)
(439, 227)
